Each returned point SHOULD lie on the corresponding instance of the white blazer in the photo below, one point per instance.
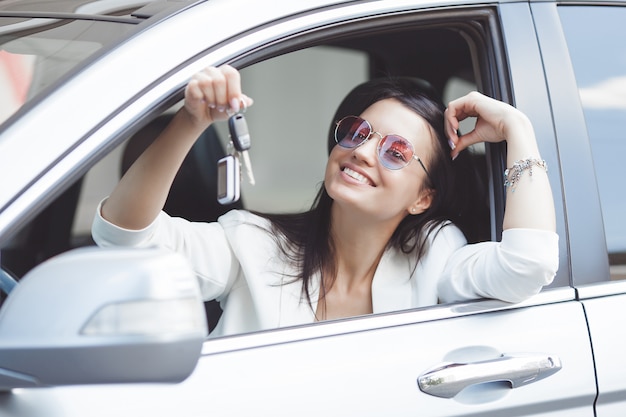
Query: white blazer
(238, 262)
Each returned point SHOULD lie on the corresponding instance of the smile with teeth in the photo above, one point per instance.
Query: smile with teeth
(355, 175)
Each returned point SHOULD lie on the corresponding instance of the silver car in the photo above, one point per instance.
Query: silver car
(85, 85)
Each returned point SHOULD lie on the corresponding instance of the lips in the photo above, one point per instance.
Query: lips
(357, 176)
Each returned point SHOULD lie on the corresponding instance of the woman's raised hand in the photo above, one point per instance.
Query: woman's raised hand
(212, 92)
(531, 206)
(143, 190)
(495, 121)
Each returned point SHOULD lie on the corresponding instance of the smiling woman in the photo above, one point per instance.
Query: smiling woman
(376, 217)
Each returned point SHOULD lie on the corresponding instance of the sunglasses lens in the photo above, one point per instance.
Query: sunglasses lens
(395, 152)
(351, 131)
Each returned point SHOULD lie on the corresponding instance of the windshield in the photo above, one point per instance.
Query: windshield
(36, 52)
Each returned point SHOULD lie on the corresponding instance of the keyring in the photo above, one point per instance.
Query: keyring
(230, 148)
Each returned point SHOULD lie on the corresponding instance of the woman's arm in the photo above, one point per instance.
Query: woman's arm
(529, 201)
(141, 193)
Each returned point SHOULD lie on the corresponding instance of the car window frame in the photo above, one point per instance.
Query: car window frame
(609, 220)
(588, 255)
(530, 94)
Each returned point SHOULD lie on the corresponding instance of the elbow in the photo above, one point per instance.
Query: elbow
(511, 271)
(527, 276)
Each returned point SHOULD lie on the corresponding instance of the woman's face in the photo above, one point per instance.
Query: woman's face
(355, 179)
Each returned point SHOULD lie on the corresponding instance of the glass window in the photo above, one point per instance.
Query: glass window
(35, 52)
(595, 37)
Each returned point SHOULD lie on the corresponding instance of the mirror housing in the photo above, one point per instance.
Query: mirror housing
(94, 316)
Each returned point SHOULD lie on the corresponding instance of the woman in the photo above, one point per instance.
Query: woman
(380, 236)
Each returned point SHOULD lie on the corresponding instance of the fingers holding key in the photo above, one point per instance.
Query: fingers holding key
(213, 92)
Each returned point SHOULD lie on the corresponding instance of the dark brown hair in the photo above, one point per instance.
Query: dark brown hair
(304, 238)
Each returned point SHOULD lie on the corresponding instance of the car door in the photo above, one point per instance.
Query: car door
(475, 358)
(367, 367)
(587, 90)
(374, 371)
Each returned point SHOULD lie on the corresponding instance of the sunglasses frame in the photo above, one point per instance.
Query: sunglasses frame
(369, 136)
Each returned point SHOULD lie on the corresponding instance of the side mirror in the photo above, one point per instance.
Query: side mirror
(93, 316)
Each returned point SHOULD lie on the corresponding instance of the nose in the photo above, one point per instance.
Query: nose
(366, 151)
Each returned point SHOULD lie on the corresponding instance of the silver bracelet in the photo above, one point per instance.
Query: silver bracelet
(514, 174)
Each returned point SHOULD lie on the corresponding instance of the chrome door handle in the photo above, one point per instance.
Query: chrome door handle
(447, 380)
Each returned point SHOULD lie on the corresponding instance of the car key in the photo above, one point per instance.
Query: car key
(238, 128)
(228, 179)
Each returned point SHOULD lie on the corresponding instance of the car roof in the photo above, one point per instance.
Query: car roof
(98, 9)
(142, 9)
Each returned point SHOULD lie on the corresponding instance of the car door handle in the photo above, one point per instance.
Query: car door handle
(448, 379)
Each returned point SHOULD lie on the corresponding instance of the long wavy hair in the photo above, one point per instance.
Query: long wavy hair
(305, 239)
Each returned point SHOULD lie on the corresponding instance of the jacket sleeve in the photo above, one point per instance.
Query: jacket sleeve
(511, 270)
(204, 244)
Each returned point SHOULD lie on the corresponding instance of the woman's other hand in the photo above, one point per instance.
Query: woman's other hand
(531, 205)
(495, 121)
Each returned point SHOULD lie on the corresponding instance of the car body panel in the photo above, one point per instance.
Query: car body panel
(373, 373)
(365, 365)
